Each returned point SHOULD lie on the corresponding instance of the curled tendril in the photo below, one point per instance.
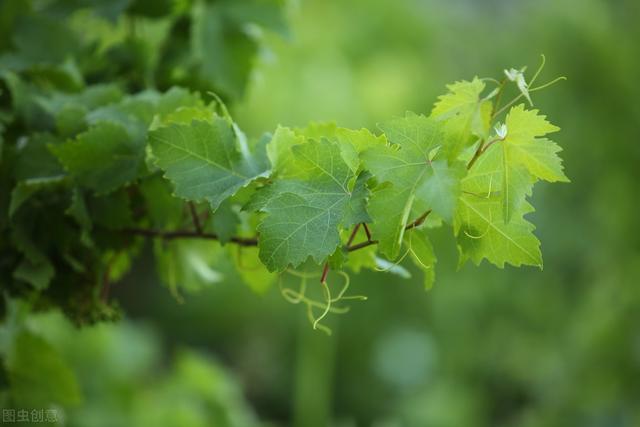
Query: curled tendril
(546, 85)
(543, 61)
(529, 87)
(492, 80)
(302, 274)
(471, 236)
(395, 264)
(326, 306)
(327, 296)
(221, 104)
(485, 231)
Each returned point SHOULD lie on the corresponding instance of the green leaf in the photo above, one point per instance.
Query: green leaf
(522, 158)
(464, 113)
(32, 30)
(34, 159)
(205, 160)
(268, 14)
(541, 159)
(525, 125)
(414, 179)
(103, 158)
(187, 265)
(111, 211)
(35, 267)
(354, 142)
(235, 50)
(482, 233)
(164, 210)
(78, 210)
(27, 188)
(279, 148)
(538, 155)
(37, 274)
(251, 269)
(304, 211)
(224, 222)
(38, 375)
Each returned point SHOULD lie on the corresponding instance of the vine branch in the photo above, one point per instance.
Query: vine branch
(253, 241)
(482, 148)
(186, 234)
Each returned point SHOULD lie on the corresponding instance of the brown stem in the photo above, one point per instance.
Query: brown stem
(418, 222)
(361, 245)
(477, 154)
(185, 234)
(367, 231)
(482, 148)
(325, 272)
(353, 234)
(195, 218)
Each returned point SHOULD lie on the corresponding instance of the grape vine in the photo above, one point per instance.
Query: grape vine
(100, 164)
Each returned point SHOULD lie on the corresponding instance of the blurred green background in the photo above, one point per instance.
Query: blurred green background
(484, 347)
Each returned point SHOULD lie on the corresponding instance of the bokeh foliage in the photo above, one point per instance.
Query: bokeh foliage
(525, 348)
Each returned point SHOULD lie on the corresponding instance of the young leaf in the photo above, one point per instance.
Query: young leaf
(538, 155)
(464, 113)
(482, 233)
(279, 148)
(415, 177)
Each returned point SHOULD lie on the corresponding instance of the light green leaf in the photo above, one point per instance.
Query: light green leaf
(412, 178)
(522, 157)
(464, 113)
(541, 159)
(482, 233)
(279, 148)
(538, 155)
(205, 160)
(525, 125)
(354, 142)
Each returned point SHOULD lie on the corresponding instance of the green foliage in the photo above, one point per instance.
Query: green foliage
(51, 364)
(206, 160)
(103, 154)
